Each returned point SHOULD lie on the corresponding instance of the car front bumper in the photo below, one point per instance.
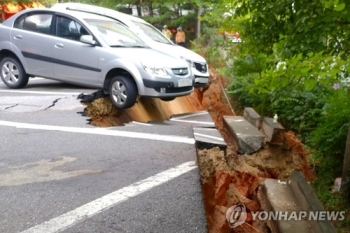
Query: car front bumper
(166, 88)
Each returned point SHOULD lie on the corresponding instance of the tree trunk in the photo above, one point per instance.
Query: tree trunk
(178, 11)
(139, 13)
(346, 164)
(198, 32)
(346, 167)
(151, 9)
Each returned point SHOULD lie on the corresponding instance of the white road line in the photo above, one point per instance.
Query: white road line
(88, 210)
(117, 133)
(31, 79)
(190, 115)
(41, 92)
(196, 122)
(208, 136)
(141, 123)
(35, 79)
(206, 129)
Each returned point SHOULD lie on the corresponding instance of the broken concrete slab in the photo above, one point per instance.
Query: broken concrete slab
(273, 131)
(308, 200)
(248, 137)
(207, 138)
(294, 195)
(252, 117)
(277, 196)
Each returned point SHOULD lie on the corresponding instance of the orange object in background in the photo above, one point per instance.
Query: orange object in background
(11, 9)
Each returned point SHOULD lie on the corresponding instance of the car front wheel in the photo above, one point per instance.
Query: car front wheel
(12, 73)
(123, 92)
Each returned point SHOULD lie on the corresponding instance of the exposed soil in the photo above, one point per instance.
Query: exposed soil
(227, 178)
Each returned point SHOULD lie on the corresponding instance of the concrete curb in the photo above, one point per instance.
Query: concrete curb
(308, 201)
(296, 195)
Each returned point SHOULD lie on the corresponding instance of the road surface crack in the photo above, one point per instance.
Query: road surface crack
(11, 106)
(53, 103)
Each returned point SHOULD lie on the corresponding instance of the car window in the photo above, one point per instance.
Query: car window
(151, 32)
(115, 34)
(38, 22)
(69, 29)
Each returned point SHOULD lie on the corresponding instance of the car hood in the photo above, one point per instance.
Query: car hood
(178, 51)
(171, 49)
(147, 56)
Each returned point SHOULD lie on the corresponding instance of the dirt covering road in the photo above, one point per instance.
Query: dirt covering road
(227, 178)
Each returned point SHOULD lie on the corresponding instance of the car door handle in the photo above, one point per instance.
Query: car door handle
(59, 45)
(19, 37)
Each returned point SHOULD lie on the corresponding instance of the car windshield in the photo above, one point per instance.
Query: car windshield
(152, 32)
(115, 34)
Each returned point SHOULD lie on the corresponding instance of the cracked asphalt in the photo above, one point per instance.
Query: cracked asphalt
(52, 162)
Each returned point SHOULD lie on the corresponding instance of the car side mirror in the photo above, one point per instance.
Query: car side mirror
(87, 39)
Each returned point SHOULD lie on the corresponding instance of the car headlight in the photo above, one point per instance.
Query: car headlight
(190, 63)
(152, 69)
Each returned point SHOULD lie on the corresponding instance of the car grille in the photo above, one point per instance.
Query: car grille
(201, 67)
(182, 71)
(174, 89)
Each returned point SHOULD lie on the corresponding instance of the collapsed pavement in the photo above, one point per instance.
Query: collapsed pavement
(234, 167)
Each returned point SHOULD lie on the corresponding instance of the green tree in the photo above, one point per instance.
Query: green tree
(171, 12)
(293, 55)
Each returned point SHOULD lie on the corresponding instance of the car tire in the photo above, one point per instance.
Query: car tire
(168, 99)
(123, 92)
(12, 73)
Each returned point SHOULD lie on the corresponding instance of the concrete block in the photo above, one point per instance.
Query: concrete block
(249, 139)
(308, 201)
(252, 117)
(295, 195)
(277, 196)
(273, 131)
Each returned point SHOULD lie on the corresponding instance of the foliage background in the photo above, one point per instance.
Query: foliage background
(293, 61)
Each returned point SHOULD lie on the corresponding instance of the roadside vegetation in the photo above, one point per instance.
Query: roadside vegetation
(293, 61)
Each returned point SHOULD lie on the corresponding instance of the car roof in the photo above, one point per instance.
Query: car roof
(74, 6)
(76, 14)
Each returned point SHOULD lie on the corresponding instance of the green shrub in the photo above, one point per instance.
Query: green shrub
(329, 141)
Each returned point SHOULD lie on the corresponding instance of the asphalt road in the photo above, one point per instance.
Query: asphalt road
(59, 174)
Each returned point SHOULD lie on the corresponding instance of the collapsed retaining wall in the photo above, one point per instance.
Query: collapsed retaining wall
(268, 174)
(229, 179)
(226, 177)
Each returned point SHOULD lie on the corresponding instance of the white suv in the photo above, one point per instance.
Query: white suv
(151, 36)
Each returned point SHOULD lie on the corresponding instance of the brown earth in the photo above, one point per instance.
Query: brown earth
(227, 178)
